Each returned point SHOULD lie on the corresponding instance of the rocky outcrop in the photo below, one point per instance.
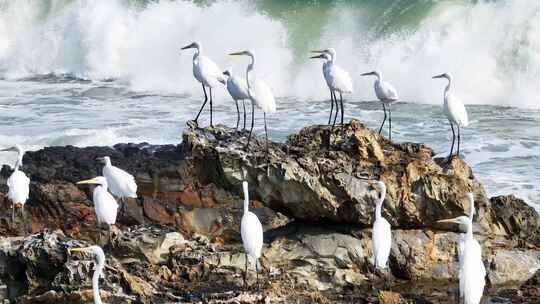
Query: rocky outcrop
(179, 240)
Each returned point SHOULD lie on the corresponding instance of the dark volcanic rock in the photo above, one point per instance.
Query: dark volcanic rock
(517, 218)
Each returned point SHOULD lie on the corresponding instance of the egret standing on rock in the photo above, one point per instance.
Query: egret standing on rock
(237, 87)
(382, 233)
(18, 183)
(472, 271)
(259, 93)
(100, 265)
(120, 183)
(207, 73)
(387, 94)
(337, 79)
(104, 203)
(455, 112)
(252, 234)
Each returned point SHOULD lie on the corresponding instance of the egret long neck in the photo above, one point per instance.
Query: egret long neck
(448, 86)
(250, 68)
(246, 200)
(469, 230)
(95, 283)
(19, 161)
(378, 207)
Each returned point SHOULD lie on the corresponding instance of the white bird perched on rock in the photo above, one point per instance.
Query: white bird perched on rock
(337, 79)
(238, 89)
(259, 93)
(100, 265)
(382, 233)
(18, 183)
(207, 73)
(388, 95)
(120, 183)
(472, 271)
(252, 233)
(455, 112)
(104, 203)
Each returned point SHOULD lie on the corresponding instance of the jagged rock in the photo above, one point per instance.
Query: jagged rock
(318, 174)
(518, 219)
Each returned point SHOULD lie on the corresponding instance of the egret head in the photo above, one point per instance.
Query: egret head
(194, 45)
(95, 250)
(374, 73)
(322, 56)
(100, 180)
(104, 160)
(15, 148)
(443, 75)
(329, 51)
(379, 186)
(243, 53)
(463, 221)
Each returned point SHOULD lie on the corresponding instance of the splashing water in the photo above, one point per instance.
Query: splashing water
(98, 72)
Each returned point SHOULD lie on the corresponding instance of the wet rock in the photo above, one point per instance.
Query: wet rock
(319, 175)
(518, 219)
(513, 266)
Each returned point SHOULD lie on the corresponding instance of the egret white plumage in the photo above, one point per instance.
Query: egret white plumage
(382, 232)
(100, 265)
(252, 233)
(207, 73)
(259, 93)
(120, 183)
(387, 94)
(337, 79)
(472, 271)
(104, 203)
(455, 111)
(237, 87)
(18, 183)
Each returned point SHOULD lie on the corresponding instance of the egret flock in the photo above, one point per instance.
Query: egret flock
(119, 184)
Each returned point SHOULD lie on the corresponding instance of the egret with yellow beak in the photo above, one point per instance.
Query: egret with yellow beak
(18, 183)
(100, 264)
(472, 271)
(104, 203)
(259, 93)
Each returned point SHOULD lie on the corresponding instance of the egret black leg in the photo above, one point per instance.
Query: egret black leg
(342, 110)
(266, 136)
(337, 109)
(257, 274)
(13, 215)
(252, 123)
(211, 110)
(244, 105)
(245, 272)
(453, 140)
(384, 119)
(390, 121)
(458, 139)
(331, 106)
(237, 114)
(204, 103)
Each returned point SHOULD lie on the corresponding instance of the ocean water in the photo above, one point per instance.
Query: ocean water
(99, 72)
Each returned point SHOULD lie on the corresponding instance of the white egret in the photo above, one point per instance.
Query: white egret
(237, 87)
(100, 265)
(120, 183)
(259, 93)
(455, 112)
(252, 233)
(337, 79)
(472, 271)
(382, 233)
(388, 95)
(207, 73)
(18, 183)
(104, 203)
